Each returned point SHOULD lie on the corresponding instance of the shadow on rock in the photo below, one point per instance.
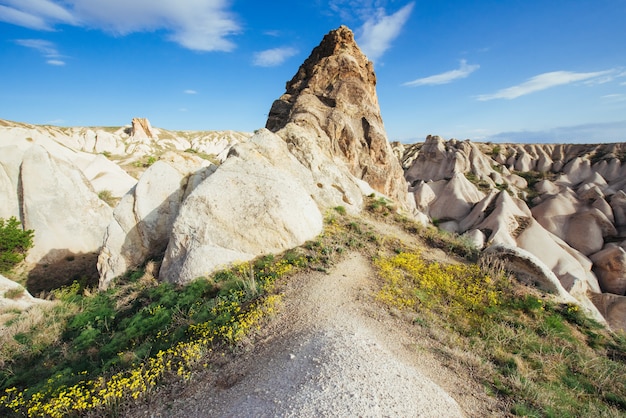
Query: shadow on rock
(61, 267)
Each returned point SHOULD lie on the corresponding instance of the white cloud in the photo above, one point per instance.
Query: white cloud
(201, 25)
(612, 98)
(19, 18)
(447, 77)
(189, 91)
(542, 82)
(46, 48)
(273, 57)
(35, 14)
(379, 31)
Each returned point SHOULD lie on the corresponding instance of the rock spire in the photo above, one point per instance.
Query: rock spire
(334, 95)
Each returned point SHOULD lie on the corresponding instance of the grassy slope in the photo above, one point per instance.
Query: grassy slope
(99, 352)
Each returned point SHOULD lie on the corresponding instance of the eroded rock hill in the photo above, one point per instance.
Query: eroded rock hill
(563, 204)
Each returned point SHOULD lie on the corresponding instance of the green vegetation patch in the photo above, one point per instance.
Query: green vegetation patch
(542, 358)
(14, 243)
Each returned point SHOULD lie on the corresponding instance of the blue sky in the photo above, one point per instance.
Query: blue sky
(502, 70)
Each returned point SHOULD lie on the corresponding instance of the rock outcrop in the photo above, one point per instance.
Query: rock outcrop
(15, 296)
(141, 129)
(142, 221)
(578, 199)
(259, 201)
(59, 204)
(333, 95)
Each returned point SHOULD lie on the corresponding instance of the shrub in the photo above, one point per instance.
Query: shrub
(107, 197)
(14, 243)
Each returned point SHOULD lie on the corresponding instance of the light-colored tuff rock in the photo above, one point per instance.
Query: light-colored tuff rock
(613, 308)
(141, 129)
(60, 205)
(578, 194)
(143, 220)
(455, 199)
(333, 95)
(14, 296)
(529, 269)
(586, 231)
(253, 204)
(610, 267)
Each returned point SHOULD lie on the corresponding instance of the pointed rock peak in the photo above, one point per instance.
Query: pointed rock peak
(336, 42)
(337, 73)
(333, 99)
(141, 128)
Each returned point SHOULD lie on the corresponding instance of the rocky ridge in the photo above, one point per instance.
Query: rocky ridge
(61, 182)
(562, 204)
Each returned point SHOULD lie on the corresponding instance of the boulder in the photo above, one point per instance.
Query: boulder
(476, 237)
(585, 231)
(613, 308)
(14, 296)
(610, 268)
(618, 205)
(528, 269)
(143, 220)
(60, 205)
(252, 205)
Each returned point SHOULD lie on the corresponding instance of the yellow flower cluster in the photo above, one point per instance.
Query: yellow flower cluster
(233, 324)
(457, 289)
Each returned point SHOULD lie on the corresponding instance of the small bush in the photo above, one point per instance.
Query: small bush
(14, 243)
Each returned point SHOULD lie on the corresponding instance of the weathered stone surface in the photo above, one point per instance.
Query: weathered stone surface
(250, 206)
(60, 205)
(555, 211)
(586, 231)
(20, 299)
(476, 237)
(610, 268)
(613, 308)
(528, 269)
(143, 220)
(141, 129)
(456, 199)
(334, 95)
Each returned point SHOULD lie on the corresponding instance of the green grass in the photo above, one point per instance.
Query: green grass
(543, 358)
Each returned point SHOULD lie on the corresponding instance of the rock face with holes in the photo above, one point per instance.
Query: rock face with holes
(333, 97)
(563, 204)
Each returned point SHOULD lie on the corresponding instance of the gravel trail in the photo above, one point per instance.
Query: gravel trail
(327, 355)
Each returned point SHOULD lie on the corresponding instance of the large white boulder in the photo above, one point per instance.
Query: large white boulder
(255, 203)
(60, 205)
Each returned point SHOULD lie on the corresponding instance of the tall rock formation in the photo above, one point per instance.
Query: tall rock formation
(334, 94)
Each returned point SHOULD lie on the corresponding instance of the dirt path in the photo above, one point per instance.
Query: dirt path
(330, 352)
